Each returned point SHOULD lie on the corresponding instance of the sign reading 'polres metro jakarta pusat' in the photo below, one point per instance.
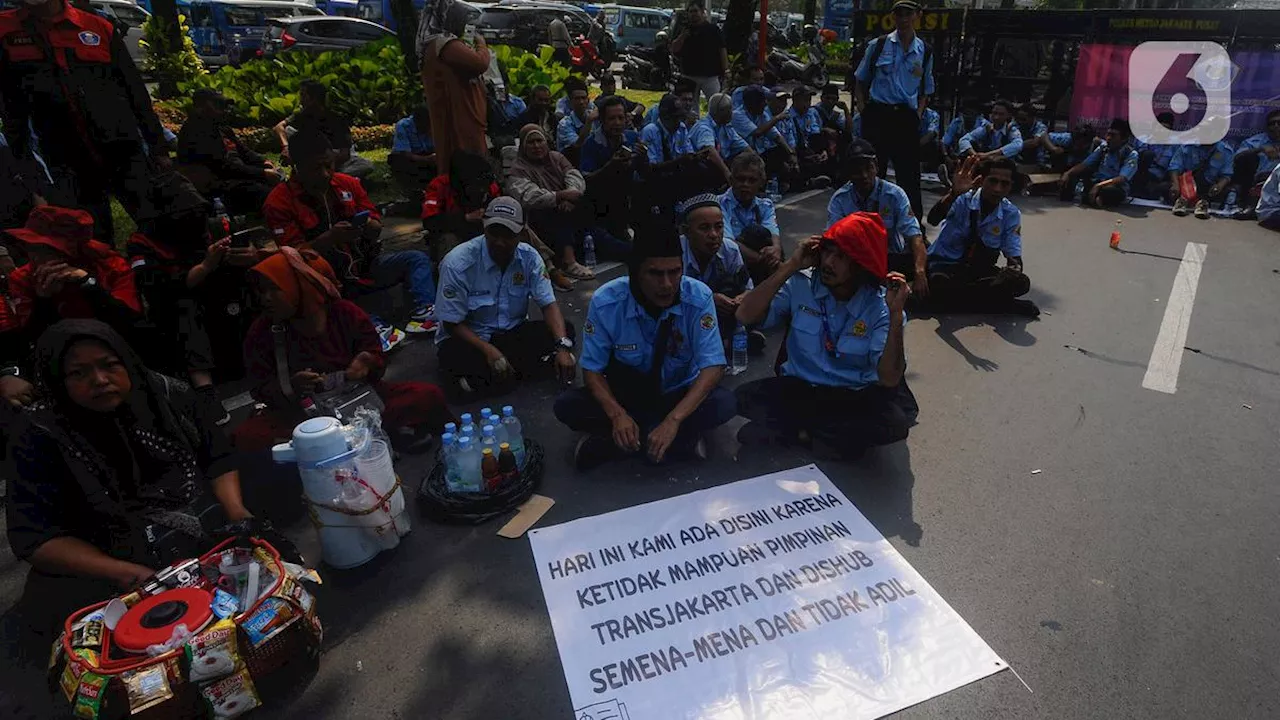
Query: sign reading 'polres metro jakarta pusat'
(767, 598)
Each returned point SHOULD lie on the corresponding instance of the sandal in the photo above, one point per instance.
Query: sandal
(577, 271)
(559, 280)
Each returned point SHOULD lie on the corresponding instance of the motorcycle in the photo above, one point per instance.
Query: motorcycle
(586, 59)
(642, 71)
(788, 67)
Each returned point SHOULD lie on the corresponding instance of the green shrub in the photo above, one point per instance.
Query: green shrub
(525, 70)
(170, 66)
(369, 85)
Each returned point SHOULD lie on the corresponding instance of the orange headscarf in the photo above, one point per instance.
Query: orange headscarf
(305, 278)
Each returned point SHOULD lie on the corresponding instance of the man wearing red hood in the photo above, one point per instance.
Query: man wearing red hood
(71, 275)
(840, 381)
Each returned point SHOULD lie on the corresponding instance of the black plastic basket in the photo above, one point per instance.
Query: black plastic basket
(442, 505)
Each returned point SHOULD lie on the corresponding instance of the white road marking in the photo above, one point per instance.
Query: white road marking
(1166, 356)
(799, 197)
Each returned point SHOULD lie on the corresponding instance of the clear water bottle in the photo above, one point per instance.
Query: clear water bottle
(499, 430)
(469, 430)
(589, 249)
(452, 428)
(515, 435)
(739, 364)
(487, 440)
(468, 466)
(466, 419)
(774, 193)
(448, 456)
(484, 416)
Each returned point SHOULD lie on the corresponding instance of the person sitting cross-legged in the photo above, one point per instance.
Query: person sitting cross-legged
(1114, 163)
(750, 220)
(715, 132)
(844, 362)
(1254, 160)
(866, 192)
(998, 136)
(981, 224)
(551, 191)
(1210, 167)
(652, 361)
(330, 212)
(216, 162)
(487, 341)
(413, 153)
(714, 259)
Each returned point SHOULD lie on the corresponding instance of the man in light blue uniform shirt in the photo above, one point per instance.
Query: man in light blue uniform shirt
(1256, 157)
(981, 225)
(413, 151)
(1114, 163)
(715, 132)
(844, 352)
(486, 340)
(866, 192)
(997, 136)
(970, 118)
(651, 360)
(749, 219)
(1034, 149)
(895, 80)
(1269, 201)
(716, 261)
(676, 172)
(1210, 165)
(668, 139)
(759, 128)
(578, 124)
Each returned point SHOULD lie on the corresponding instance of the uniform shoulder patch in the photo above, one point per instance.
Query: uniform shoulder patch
(450, 292)
(90, 38)
(707, 322)
(589, 328)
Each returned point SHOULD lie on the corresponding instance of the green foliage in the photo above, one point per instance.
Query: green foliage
(171, 66)
(524, 70)
(369, 85)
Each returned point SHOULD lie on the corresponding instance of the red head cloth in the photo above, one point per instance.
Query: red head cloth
(66, 230)
(862, 237)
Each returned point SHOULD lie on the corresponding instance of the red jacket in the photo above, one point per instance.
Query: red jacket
(293, 221)
(115, 291)
(441, 199)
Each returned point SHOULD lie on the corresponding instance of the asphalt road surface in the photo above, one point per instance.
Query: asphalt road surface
(1133, 576)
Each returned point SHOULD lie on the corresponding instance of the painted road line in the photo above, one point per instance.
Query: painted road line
(799, 197)
(1166, 356)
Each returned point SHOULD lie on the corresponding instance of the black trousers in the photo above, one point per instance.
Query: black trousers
(971, 287)
(409, 176)
(524, 346)
(894, 131)
(558, 230)
(1244, 175)
(579, 410)
(852, 420)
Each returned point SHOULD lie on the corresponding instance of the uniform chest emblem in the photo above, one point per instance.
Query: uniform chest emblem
(995, 229)
(517, 278)
(859, 329)
(90, 38)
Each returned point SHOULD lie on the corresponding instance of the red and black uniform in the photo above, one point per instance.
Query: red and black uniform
(233, 172)
(444, 213)
(72, 78)
(296, 218)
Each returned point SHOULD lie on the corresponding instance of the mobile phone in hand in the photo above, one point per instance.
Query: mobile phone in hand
(360, 219)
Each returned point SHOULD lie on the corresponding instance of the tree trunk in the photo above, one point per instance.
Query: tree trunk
(406, 19)
(166, 12)
(810, 11)
(738, 25)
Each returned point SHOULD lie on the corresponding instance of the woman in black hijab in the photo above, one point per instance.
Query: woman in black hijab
(118, 472)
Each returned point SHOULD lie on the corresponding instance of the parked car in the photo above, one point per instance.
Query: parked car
(228, 32)
(635, 25)
(379, 11)
(524, 24)
(128, 17)
(319, 34)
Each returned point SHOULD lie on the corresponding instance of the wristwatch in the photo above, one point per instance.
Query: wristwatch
(11, 371)
(564, 343)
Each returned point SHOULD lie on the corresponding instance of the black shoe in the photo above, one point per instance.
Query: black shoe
(1249, 213)
(593, 451)
(817, 182)
(755, 342)
(1025, 308)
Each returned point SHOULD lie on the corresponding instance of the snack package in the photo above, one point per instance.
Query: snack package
(147, 687)
(89, 694)
(55, 652)
(77, 664)
(224, 604)
(272, 616)
(293, 589)
(213, 653)
(231, 697)
(87, 633)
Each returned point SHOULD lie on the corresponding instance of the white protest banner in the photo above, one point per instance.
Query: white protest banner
(767, 598)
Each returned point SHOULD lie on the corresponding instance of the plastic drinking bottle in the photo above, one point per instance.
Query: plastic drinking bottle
(515, 435)
(739, 350)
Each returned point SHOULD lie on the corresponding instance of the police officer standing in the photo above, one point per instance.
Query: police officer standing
(651, 362)
(895, 80)
(845, 362)
(68, 73)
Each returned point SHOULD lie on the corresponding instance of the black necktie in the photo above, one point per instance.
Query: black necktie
(660, 352)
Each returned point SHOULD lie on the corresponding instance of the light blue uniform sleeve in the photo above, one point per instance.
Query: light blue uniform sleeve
(769, 217)
(857, 124)
(735, 141)
(743, 124)
(927, 85)
(566, 134)
(681, 144)
(1094, 158)
(451, 301)
(930, 123)
(1130, 165)
(879, 333)
(950, 243)
(651, 136)
(708, 350)
(597, 343)
(1014, 146)
(1011, 243)
(702, 136)
(838, 207)
(1061, 139)
(780, 306)
(908, 226)
(863, 73)
(976, 134)
(954, 127)
(1220, 162)
(540, 281)
(400, 141)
